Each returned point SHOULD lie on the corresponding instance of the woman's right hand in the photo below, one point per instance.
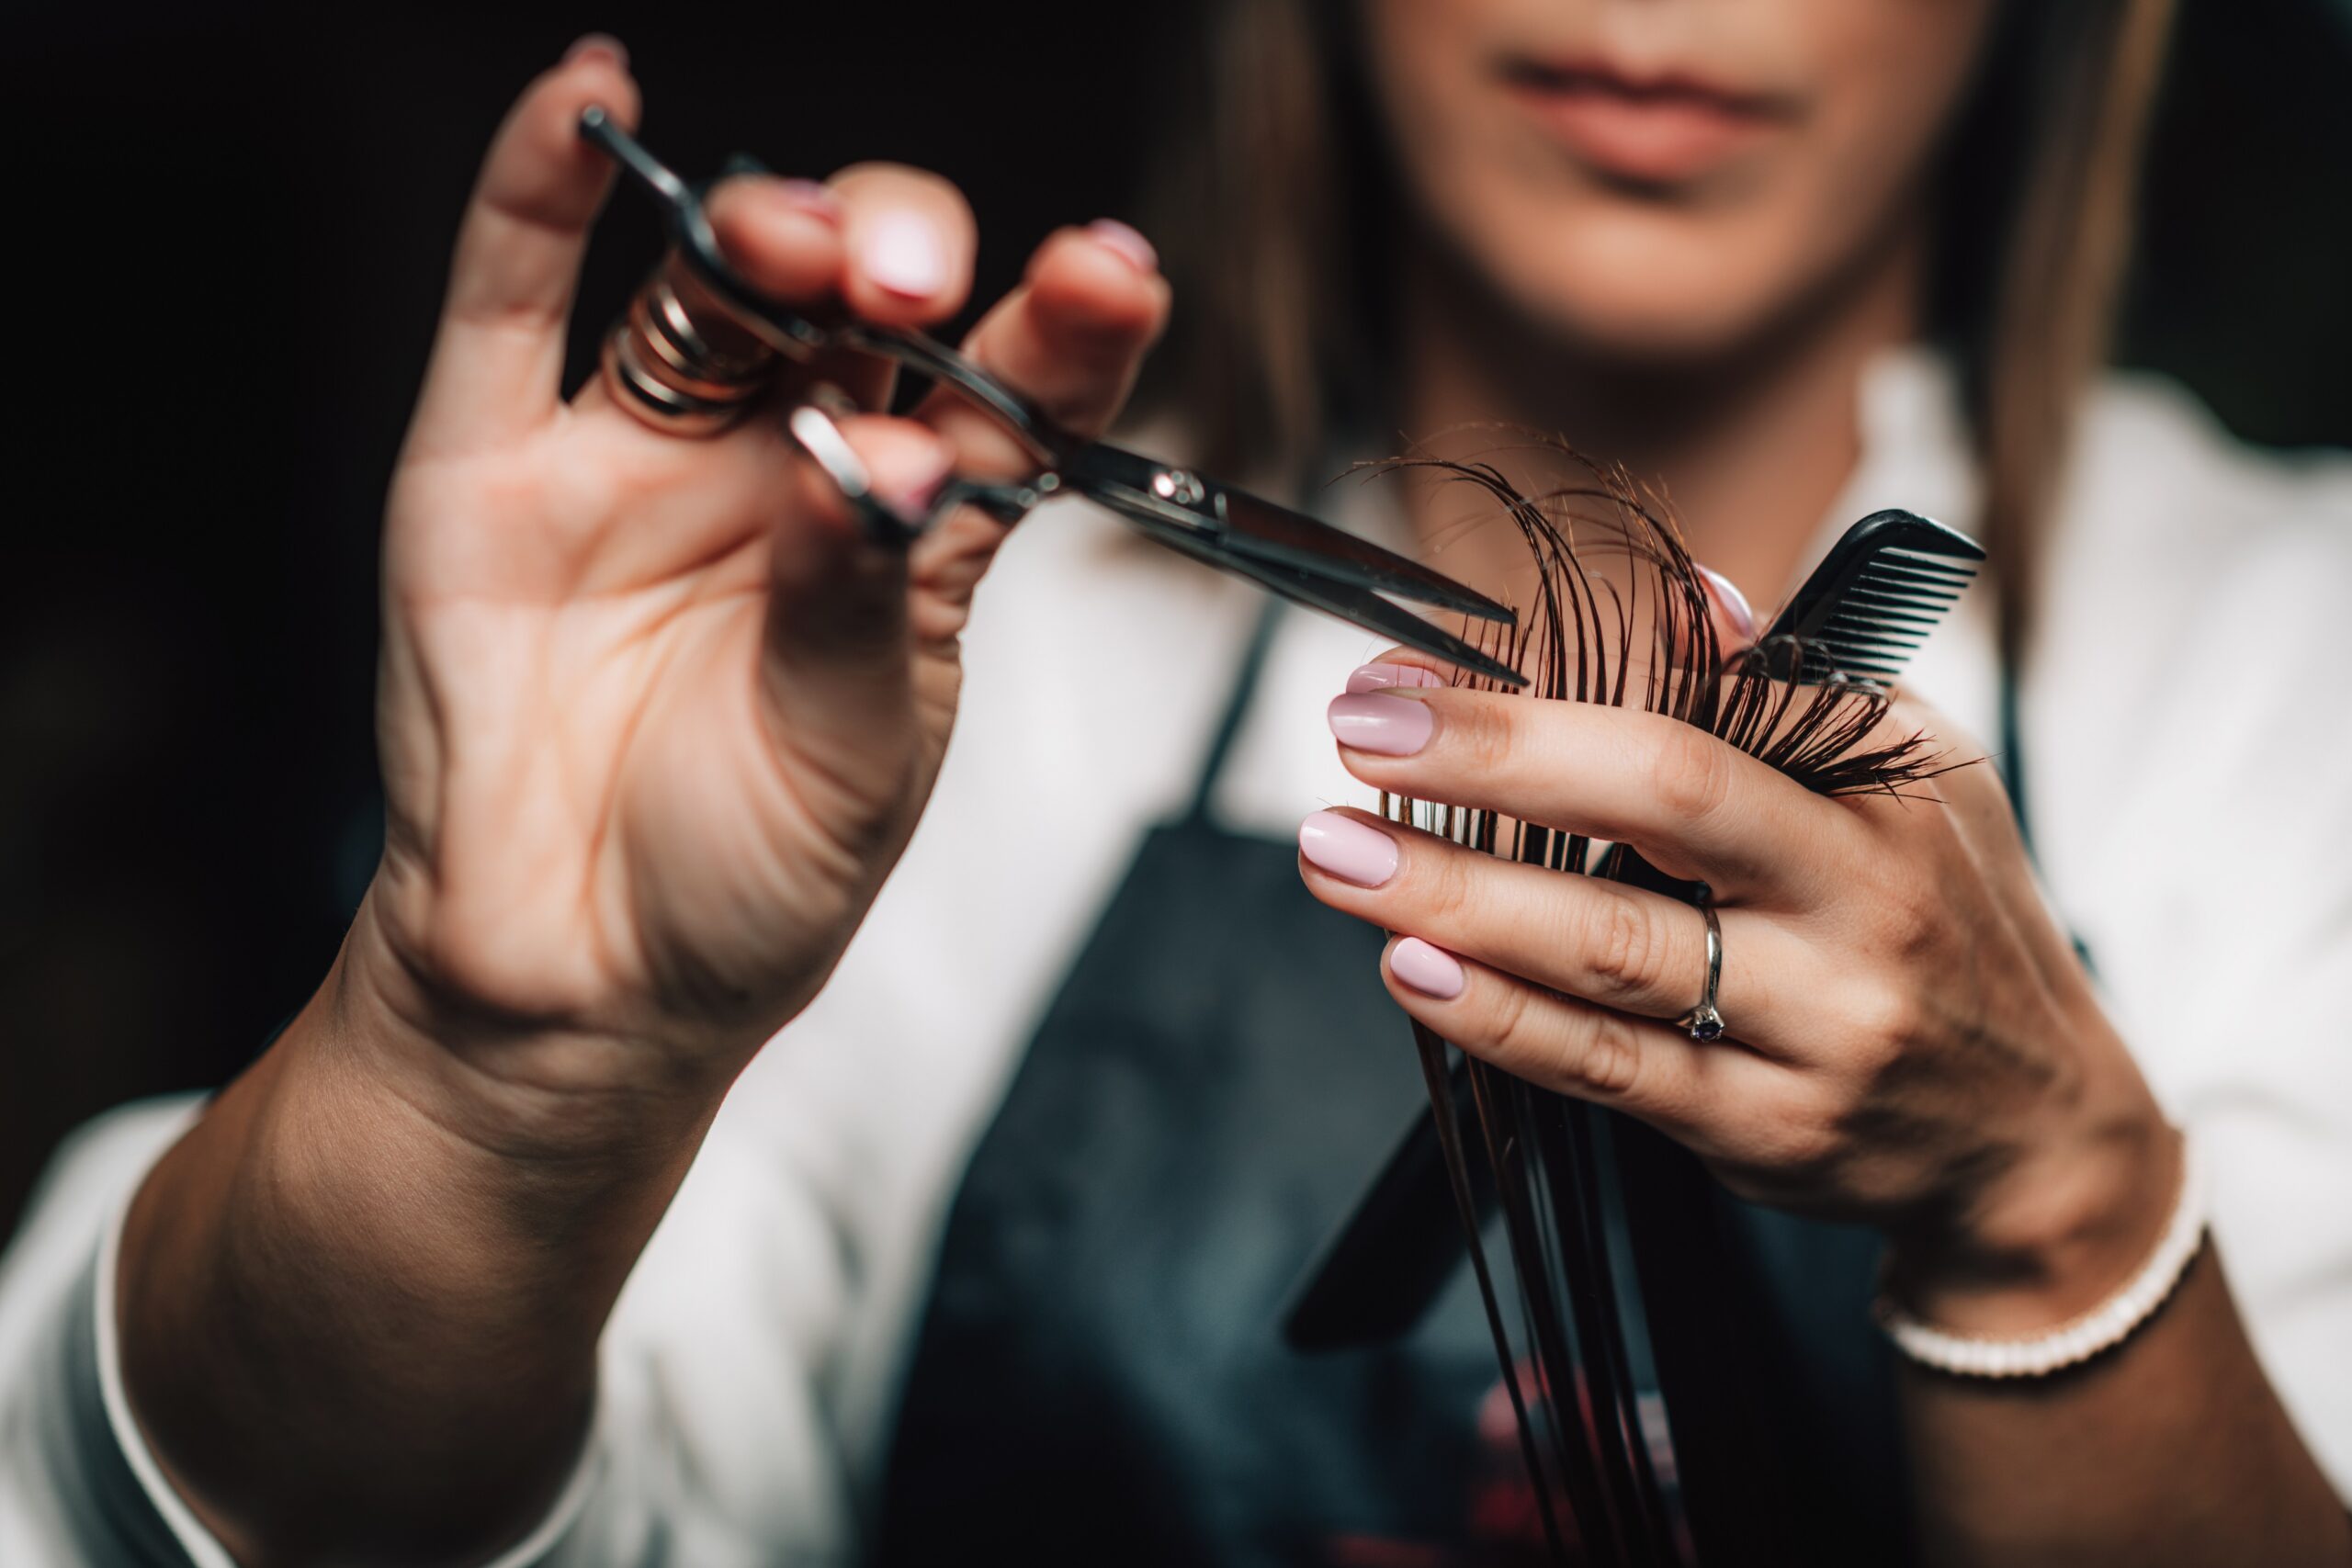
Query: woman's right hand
(655, 718)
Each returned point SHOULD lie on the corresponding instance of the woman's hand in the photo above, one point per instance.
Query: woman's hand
(655, 718)
(1913, 1040)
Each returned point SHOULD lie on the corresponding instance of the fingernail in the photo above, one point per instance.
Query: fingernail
(1347, 849)
(1380, 677)
(910, 493)
(1432, 971)
(902, 251)
(1127, 241)
(1374, 721)
(812, 198)
(603, 45)
(1735, 604)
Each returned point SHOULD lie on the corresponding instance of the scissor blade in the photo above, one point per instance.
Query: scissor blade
(1247, 524)
(1379, 1274)
(1357, 606)
(1259, 527)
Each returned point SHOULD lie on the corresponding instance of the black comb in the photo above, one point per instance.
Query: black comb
(1884, 586)
(1874, 598)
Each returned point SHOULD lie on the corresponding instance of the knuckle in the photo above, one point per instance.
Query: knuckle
(1511, 1027)
(1886, 1017)
(1915, 920)
(1482, 733)
(1690, 772)
(1594, 1054)
(1804, 1144)
(1442, 885)
(1605, 1056)
(1622, 944)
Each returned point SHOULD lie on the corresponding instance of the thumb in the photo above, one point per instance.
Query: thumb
(1726, 606)
(836, 658)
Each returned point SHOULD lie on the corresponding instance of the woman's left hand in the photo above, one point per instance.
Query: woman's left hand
(1912, 1041)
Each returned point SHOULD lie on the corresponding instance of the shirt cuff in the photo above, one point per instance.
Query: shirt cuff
(201, 1547)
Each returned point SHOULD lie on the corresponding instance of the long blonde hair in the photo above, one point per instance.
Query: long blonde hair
(1265, 183)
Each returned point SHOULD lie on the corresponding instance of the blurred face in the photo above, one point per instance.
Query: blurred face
(1667, 178)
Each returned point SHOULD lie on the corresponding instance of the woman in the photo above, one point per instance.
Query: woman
(657, 724)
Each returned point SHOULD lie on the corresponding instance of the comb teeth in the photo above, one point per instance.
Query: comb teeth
(1886, 583)
(1886, 612)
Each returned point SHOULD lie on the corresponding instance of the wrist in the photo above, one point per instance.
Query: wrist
(2064, 1223)
(551, 1088)
(321, 1281)
(364, 1181)
(353, 1131)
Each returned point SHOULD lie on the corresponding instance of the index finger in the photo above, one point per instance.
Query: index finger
(1693, 805)
(1069, 338)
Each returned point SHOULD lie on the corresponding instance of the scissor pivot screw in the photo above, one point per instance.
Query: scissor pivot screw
(1176, 485)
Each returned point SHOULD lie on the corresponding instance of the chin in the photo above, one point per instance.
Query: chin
(1640, 287)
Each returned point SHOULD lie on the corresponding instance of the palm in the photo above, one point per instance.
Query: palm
(584, 766)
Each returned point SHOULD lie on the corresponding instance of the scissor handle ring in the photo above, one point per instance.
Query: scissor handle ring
(799, 336)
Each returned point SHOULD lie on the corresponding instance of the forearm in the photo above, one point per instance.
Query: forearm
(2172, 1448)
(350, 1315)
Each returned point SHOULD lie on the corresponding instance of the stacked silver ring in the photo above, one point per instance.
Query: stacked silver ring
(678, 362)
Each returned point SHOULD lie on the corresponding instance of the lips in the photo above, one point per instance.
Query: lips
(1664, 130)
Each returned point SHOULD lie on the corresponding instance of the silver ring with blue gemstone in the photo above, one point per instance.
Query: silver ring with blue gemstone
(1704, 1022)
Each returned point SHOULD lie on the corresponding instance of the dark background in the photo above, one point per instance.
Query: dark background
(228, 232)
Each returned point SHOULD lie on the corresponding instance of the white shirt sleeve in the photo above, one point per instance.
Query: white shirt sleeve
(79, 1488)
(2192, 769)
(716, 1438)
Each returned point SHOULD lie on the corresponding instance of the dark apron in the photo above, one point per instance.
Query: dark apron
(1100, 1376)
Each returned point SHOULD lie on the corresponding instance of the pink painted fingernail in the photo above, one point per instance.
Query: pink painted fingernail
(604, 46)
(1347, 849)
(1131, 245)
(911, 492)
(1374, 721)
(1380, 677)
(904, 253)
(1432, 971)
(1734, 603)
(808, 196)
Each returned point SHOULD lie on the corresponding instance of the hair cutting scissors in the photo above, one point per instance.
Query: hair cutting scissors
(1281, 550)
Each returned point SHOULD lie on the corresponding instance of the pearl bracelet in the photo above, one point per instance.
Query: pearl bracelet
(2079, 1338)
